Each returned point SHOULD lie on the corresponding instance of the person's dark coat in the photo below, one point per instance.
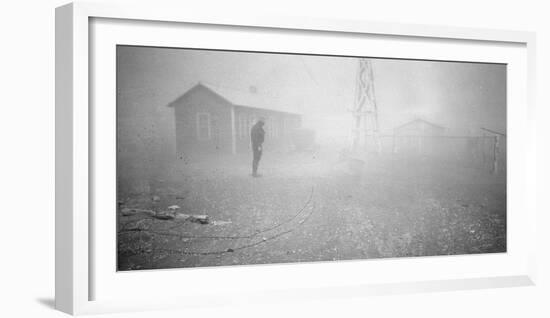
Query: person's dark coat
(257, 134)
(257, 138)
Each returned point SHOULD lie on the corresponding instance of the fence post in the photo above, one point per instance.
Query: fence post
(495, 154)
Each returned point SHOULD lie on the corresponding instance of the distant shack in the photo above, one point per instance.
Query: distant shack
(218, 120)
(418, 136)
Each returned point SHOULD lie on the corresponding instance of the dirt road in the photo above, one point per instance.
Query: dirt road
(308, 208)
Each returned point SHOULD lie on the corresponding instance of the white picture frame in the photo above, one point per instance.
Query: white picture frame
(76, 143)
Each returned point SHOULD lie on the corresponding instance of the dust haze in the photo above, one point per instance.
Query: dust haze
(359, 158)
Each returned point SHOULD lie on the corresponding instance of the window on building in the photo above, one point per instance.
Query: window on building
(251, 122)
(268, 127)
(276, 128)
(243, 126)
(203, 126)
(272, 127)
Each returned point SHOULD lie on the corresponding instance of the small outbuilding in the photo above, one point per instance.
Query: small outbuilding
(418, 136)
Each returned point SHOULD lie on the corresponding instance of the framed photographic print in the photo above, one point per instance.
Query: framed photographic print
(269, 157)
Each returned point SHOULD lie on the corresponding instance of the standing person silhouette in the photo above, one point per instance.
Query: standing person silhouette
(257, 134)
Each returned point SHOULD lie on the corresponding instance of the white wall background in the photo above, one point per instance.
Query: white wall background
(27, 160)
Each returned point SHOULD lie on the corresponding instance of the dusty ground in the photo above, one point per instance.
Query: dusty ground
(310, 207)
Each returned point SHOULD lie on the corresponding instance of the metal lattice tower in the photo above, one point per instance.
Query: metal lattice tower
(365, 111)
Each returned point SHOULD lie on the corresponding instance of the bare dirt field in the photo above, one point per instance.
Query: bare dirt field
(310, 207)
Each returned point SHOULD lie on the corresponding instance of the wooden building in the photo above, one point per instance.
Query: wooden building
(419, 137)
(212, 120)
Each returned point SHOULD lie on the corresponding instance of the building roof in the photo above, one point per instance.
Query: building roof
(494, 132)
(418, 120)
(248, 99)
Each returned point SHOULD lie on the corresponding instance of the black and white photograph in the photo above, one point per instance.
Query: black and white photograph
(228, 158)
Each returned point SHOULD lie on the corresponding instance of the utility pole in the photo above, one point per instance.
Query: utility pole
(365, 110)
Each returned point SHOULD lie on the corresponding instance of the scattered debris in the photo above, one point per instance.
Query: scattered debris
(130, 212)
(150, 233)
(164, 215)
(202, 219)
(170, 215)
(127, 211)
(155, 198)
(181, 216)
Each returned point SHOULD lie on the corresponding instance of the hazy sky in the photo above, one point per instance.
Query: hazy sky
(460, 96)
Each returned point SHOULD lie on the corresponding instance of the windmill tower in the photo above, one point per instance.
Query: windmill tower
(365, 111)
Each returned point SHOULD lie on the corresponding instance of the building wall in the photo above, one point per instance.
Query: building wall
(188, 139)
(419, 138)
(278, 128)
